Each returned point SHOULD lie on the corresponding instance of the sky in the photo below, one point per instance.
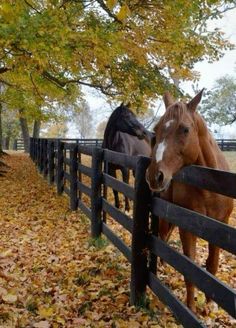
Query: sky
(209, 72)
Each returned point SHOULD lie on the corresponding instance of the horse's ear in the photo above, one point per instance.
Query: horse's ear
(122, 104)
(128, 105)
(192, 105)
(168, 99)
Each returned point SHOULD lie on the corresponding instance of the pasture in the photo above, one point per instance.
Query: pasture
(231, 158)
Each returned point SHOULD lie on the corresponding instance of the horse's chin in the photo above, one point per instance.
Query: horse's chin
(160, 189)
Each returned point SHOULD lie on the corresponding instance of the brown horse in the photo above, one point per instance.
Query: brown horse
(182, 139)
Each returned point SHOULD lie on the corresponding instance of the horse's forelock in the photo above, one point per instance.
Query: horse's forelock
(173, 113)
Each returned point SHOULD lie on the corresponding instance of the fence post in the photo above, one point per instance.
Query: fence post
(139, 262)
(45, 157)
(60, 171)
(41, 156)
(96, 205)
(73, 177)
(51, 165)
(38, 152)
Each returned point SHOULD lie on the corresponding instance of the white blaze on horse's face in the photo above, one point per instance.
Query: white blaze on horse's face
(160, 151)
(168, 123)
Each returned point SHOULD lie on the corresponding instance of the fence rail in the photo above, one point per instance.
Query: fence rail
(61, 163)
(227, 144)
(18, 144)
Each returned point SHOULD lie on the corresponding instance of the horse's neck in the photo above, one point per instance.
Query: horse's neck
(210, 154)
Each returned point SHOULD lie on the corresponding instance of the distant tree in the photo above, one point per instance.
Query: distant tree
(100, 129)
(55, 130)
(219, 105)
(10, 126)
(82, 118)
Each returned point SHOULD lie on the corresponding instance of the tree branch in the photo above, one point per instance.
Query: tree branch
(4, 69)
(107, 10)
(62, 84)
(28, 4)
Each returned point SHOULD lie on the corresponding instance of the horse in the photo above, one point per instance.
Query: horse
(182, 138)
(125, 134)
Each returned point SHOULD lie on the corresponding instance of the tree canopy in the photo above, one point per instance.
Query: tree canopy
(49, 49)
(219, 106)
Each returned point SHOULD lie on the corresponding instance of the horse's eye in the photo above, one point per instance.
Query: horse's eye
(185, 130)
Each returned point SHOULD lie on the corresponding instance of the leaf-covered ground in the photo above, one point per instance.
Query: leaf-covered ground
(53, 275)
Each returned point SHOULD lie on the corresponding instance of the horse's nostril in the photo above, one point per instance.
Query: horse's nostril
(159, 177)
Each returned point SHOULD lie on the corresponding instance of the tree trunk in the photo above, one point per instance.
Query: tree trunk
(36, 129)
(7, 142)
(25, 132)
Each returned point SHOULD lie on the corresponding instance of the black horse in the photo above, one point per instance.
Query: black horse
(125, 134)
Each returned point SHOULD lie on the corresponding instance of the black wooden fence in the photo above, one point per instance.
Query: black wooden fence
(227, 144)
(60, 162)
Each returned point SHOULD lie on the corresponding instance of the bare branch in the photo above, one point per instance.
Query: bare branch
(33, 8)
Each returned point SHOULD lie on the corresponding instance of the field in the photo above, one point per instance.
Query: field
(231, 158)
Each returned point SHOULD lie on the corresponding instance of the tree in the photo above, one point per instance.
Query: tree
(55, 130)
(124, 49)
(10, 127)
(81, 117)
(219, 106)
(100, 129)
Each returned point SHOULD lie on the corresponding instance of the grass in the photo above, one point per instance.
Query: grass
(231, 158)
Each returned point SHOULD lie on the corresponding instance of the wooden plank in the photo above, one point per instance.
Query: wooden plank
(73, 177)
(205, 281)
(123, 248)
(118, 185)
(84, 209)
(66, 176)
(96, 199)
(67, 161)
(181, 311)
(117, 215)
(139, 264)
(85, 170)
(66, 190)
(120, 159)
(83, 188)
(206, 178)
(87, 150)
(215, 232)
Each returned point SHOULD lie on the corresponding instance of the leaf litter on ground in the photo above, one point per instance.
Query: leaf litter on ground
(54, 275)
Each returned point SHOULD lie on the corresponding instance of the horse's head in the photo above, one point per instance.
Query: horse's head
(177, 142)
(127, 122)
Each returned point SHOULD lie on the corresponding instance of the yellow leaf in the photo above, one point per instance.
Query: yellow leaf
(111, 4)
(45, 312)
(123, 13)
(9, 298)
(60, 320)
(201, 299)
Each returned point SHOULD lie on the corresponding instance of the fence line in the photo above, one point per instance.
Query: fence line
(61, 163)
